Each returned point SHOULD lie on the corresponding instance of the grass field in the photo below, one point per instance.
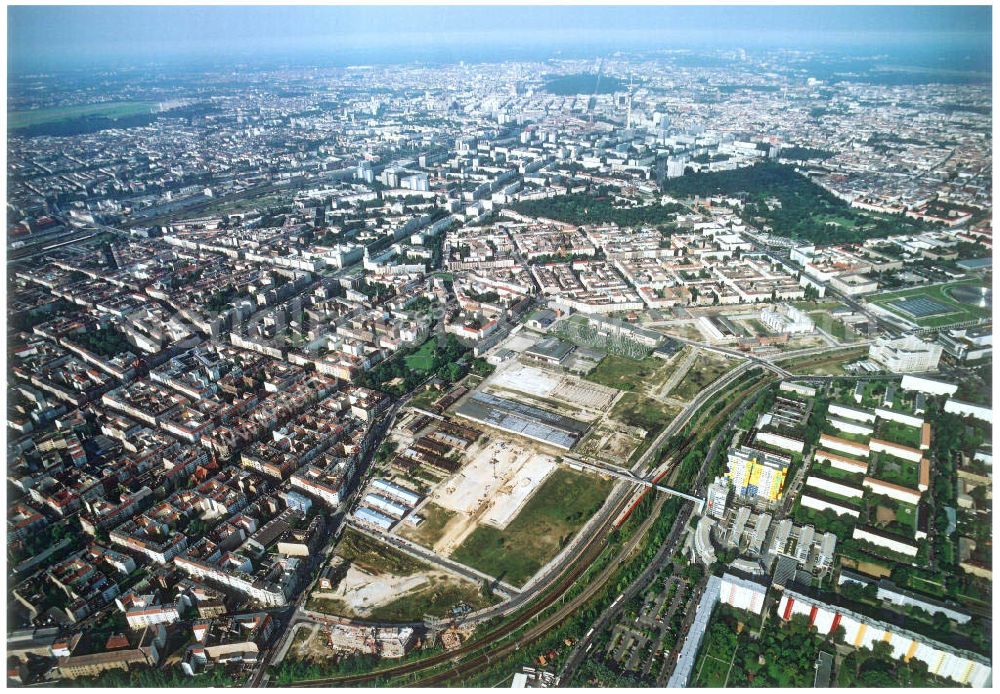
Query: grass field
(328, 606)
(711, 670)
(639, 411)
(827, 470)
(423, 358)
(959, 311)
(705, 370)
(895, 470)
(898, 433)
(44, 116)
(839, 220)
(437, 600)
(624, 373)
(852, 501)
(828, 428)
(757, 326)
(907, 515)
(377, 557)
(429, 532)
(926, 585)
(551, 517)
(818, 305)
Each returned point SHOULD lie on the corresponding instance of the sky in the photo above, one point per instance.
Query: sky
(50, 37)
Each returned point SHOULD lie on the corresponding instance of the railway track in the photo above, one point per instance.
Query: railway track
(471, 666)
(553, 620)
(590, 552)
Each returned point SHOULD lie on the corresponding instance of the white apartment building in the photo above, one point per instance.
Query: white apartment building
(786, 319)
(907, 354)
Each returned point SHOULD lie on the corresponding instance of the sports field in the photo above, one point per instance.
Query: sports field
(423, 358)
(938, 305)
(44, 116)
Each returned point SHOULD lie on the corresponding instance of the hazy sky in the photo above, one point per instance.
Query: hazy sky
(51, 36)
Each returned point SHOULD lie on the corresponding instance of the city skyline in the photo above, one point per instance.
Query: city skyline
(50, 37)
(471, 346)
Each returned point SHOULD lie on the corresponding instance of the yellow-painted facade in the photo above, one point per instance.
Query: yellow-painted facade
(769, 481)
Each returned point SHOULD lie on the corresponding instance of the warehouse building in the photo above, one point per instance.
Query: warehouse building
(524, 420)
(367, 515)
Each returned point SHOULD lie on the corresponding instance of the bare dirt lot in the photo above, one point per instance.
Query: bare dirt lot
(362, 591)
(500, 477)
(575, 395)
(611, 441)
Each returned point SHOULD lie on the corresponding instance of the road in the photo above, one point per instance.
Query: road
(613, 611)
(427, 555)
(665, 552)
(288, 618)
(681, 420)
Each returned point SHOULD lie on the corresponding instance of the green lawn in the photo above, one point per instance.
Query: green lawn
(428, 532)
(839, 220)
(896, 470)
(624, 373)
(830, 429)
(926, 585)
(852, 501)
(436, 600)
(907, 515)
(547, 522)
(757, 326)
(377, 557)
(425, 398)
(328, 606)
(898, 433)
(827, 470)
(637, 410)
(44, 116)
(960, 311)
(817, 305)
(423, 358)
(705, 370)
(711, 670)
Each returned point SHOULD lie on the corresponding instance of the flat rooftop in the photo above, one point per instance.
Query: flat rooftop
(524, 420)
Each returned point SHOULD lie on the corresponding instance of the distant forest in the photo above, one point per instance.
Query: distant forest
(804, 153)
(805, 210)
(587, 208)
(86, 125)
